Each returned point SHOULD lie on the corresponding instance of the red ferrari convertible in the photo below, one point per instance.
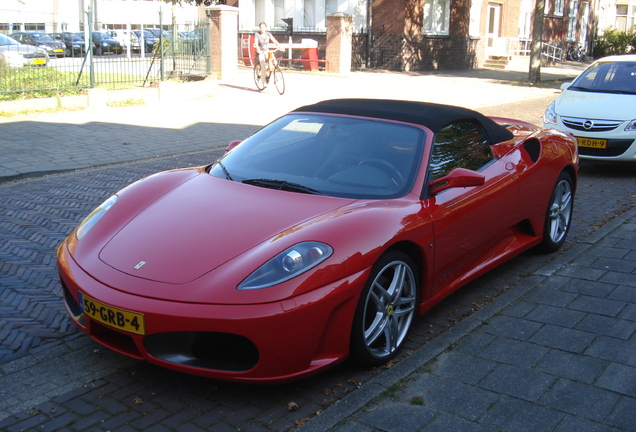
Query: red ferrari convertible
(317, 239)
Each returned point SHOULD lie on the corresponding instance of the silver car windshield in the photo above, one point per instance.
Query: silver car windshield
(328, 155)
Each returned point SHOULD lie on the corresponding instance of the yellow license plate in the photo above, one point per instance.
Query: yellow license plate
(592, 143)
(38, 61)
(122, 319)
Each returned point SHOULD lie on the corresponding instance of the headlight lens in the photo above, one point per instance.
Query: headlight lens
(287, 265)
(93, 217)
(550, 117)
(631, 126)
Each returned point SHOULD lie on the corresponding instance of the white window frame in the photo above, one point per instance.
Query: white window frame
(572, 17)
(559, 7)
(436, 17)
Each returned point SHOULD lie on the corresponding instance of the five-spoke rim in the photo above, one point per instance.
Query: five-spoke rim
(389, 309)
(560, 212)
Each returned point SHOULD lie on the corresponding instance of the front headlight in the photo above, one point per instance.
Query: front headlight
(631, 126)
(93, 217)
(550, 116)
(287, 265)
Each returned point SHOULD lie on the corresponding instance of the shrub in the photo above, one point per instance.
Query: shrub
(615, 42)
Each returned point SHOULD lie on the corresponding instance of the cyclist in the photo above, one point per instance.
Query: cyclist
(262, 39)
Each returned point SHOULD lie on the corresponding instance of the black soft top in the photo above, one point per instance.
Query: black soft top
(433, 116)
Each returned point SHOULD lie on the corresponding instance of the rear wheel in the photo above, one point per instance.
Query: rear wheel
(279, 80)
(385, 310)
(559, 214)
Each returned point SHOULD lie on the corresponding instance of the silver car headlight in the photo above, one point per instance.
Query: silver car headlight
(631, 126)
(90, 220)
(550, 116)
(287, 265)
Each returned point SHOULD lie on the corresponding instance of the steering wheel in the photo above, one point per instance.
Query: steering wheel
(386, 167)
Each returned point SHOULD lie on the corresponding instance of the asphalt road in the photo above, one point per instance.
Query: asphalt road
(44, 355)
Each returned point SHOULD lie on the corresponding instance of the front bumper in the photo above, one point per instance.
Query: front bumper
(269, 342)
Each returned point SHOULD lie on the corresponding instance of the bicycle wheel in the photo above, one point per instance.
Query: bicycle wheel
(257, 77)
(279, 80)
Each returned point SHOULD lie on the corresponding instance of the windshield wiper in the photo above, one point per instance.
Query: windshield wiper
(282, 185)
(225, 171)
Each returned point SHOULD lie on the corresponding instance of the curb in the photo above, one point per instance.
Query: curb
(355, 401)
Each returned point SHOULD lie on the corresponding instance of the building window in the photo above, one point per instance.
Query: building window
(559, 5)
(309, 15)
(572, 15)
(436, 17)
(475, 18)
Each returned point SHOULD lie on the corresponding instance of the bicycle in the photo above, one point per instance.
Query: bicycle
(273, 70)
(576, 53)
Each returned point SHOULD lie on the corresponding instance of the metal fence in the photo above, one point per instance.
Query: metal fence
(144, 55)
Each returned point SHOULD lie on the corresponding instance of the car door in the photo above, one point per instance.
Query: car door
(470, 223)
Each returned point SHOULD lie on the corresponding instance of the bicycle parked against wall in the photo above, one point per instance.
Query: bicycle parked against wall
(575, 52)
(273, 72)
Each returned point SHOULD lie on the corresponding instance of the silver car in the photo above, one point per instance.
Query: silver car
(15, 54)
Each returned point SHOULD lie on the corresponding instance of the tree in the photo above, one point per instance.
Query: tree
(537, 39)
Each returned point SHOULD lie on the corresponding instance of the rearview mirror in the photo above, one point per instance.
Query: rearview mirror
(459, 177)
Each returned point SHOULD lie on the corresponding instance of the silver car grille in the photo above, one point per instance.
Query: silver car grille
(590, 125)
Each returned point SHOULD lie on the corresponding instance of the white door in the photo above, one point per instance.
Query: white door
(494, 43)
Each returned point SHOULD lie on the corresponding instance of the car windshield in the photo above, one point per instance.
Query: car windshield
(6, 40)
(608, 77)
(41, 37)
(98, 35)
(146, 33)
(328, 155)
(74, 36)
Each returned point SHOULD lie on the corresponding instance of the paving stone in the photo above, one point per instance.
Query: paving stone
(513, 352)
(572, 366)
(463, 368)
(524, 384)
(516, 415)
(624, 415)
(398, 417)
(619, 378)
(597, 305)
(563, 338)
(590, 288)
(608, 326)
(577, 424)
(555, 315)
(448, 423)
(510, 327)
(614, 350)
(581, 400)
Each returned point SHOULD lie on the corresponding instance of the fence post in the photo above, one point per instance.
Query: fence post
(223, 41)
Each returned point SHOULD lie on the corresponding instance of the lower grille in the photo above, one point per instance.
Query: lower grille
(614, 148)
(208, 350)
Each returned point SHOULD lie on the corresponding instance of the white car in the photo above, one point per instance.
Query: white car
(599, 109)
(15, 54)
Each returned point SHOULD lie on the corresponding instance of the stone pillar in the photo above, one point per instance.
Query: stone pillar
(339, 43)
(223, 41)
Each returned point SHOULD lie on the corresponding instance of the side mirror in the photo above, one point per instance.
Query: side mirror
(459, 177)
(232, 145)
(565, 86)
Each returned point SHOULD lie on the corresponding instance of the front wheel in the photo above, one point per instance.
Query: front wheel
(279, 80)
(385, 310)
(257, 77)
(559, 214)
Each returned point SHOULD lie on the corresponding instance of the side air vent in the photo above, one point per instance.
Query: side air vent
(533, 148)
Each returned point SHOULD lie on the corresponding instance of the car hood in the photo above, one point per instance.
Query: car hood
(203, 223)
(589, 105)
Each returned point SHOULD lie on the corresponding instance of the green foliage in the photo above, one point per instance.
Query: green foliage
(615, 42)
(49, 81)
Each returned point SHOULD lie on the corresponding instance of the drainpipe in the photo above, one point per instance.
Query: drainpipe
(369, 31)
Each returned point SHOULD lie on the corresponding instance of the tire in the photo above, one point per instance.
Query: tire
(257, 77)
(279, 80)
(558, 216)
(385, 311)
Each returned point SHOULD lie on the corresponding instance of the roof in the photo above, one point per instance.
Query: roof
(433, 116)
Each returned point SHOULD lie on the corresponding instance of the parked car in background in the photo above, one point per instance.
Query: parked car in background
(317, 239)
(75, 44)
(126, 39)
(104, 44)
(599, 109)
(40, 40)
(15, 54)
(147, 38)
(56, 36)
